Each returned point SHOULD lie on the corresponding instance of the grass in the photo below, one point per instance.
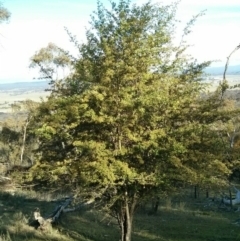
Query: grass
(178, 219)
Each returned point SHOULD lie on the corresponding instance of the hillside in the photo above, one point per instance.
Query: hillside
(232, 70)
(15, 92)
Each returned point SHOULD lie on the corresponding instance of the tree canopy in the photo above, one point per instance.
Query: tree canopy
(4, 14)
(137, 121)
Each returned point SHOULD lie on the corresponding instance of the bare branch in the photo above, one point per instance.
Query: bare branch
(227, 63)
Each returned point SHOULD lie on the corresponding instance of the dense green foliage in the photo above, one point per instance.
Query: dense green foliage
(137, 121)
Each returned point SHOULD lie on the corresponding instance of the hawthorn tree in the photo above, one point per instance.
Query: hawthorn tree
(137, 122)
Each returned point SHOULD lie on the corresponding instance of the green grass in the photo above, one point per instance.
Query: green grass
(181, 219)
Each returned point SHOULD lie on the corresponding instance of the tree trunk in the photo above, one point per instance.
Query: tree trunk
(155, 204)
(125, 217)
(207, 193)
(127, 225)
(230, 196)
(195, 191)
(24, 139)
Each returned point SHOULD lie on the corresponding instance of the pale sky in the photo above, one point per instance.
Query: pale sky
(35, 23)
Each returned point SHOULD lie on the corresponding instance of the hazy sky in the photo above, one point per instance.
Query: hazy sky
(35, 23)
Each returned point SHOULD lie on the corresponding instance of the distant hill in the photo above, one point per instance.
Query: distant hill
(17, 92)
(23, 86)
(232, 70)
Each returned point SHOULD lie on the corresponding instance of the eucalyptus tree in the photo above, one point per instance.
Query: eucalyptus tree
(17, 142)
(4, 14)
(54, 64)
(140, 124)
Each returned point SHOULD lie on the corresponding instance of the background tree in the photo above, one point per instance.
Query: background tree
(17, 143)
(4, 14)
(28, 139)
(54, 64)
(141, 126)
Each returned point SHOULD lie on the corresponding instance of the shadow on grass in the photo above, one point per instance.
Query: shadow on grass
(169, 224)
(16, 213)
(88, 225)
(184, 225)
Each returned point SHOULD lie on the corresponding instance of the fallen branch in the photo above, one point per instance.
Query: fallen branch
(4, 179)
(44, 223)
